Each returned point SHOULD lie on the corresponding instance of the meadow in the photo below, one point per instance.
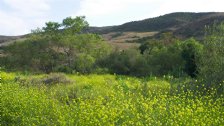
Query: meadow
(66, 100)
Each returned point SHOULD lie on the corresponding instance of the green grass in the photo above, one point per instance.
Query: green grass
(103, 100)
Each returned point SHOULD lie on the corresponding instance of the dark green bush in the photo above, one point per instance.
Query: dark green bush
(191, 53)
(129, 62)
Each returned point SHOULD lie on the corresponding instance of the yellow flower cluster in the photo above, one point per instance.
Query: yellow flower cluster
(106, 100)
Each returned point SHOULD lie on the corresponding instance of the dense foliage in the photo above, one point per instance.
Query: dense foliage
(157, 57)
(212, 61)
(191, 53)
(64, 48)
(182, 24)
(53, 49)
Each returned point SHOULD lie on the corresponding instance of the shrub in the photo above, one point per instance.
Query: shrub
(55, 78)
(191, 53)
(49, 79)
(165, 60)
(129, 62)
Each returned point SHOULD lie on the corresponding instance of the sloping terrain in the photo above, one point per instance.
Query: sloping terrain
(197, 27)
(181, 24)
(5, 40)
(170, 21)
(126, 40)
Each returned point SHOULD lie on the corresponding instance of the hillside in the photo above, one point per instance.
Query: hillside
(181, 24)
(197, 27)
(5, 40)
(170, 21)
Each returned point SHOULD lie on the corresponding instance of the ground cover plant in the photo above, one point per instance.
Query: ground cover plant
(105, 100)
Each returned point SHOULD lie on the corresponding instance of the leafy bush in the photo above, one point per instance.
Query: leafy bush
(84, 63)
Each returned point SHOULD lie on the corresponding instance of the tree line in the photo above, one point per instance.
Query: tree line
(63, 47)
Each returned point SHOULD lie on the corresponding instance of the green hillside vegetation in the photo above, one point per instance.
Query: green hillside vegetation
(53, 50)
(160, 23)
(60, 75)
(185, 24)
(196, 28)
(182, 25)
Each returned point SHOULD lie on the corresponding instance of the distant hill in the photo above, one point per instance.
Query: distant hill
(181, 24)
(6, 38)
(196, 28)
(184, 24)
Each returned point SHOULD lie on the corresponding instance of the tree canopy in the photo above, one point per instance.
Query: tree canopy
(58, 47)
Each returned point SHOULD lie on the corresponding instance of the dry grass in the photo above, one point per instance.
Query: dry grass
(124, 45)
(126, 36)
(125, 40)
(6, 43)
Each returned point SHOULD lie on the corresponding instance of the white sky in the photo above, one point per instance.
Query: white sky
(18, 17)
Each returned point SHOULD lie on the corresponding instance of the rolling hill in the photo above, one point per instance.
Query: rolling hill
(5, 40)
(181, 24)
(170, 21)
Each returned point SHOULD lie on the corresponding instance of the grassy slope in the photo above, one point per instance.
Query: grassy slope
(103, 100)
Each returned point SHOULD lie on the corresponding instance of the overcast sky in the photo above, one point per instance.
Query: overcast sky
(18, 17)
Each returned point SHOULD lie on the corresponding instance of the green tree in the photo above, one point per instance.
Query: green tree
(129, 62)
(148, 46)
(74, 25)
(51, 30)
(191, 53)
(51, 27)
(166, 60)
(212, 62)
(58, 47)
